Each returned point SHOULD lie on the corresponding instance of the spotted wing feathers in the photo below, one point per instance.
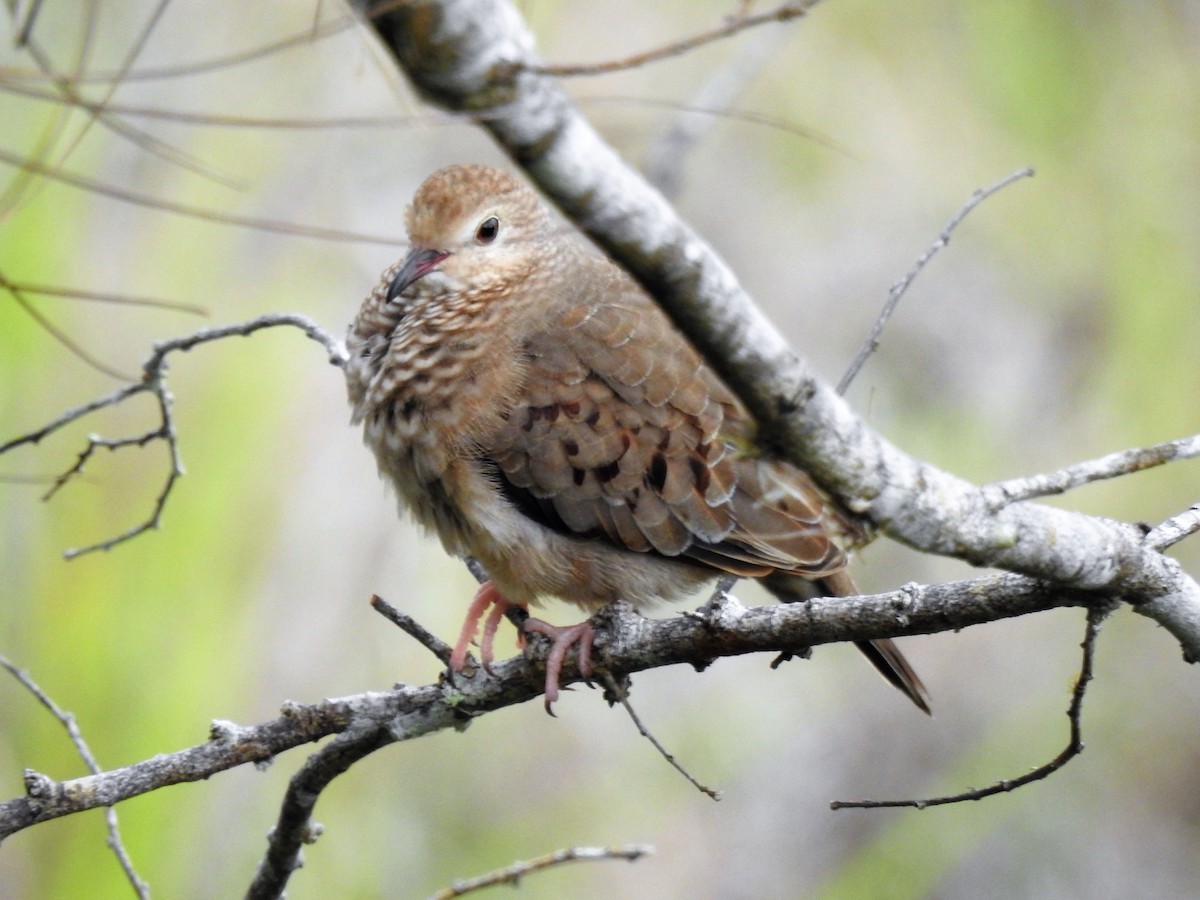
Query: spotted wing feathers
(623, 433)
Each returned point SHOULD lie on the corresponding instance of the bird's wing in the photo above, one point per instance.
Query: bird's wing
(623, 434)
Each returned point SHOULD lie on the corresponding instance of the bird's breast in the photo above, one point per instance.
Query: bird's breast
(429, 398)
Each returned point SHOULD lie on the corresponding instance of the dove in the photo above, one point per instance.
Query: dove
(535, 408)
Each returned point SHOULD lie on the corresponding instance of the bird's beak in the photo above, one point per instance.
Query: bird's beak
(417, 264)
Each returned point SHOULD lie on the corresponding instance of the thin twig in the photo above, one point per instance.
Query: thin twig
(783, 13)
(101, 297)
(67, 720)
(1112, 465)
(61, 336)
(518, 870)
(1095, 617)
(413, 629)
(183, 209)
(226, 120)
(750, 117)
(871, 343)
(26, 27)
(622, 696)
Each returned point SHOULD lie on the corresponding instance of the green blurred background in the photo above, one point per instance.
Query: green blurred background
(1061, 323)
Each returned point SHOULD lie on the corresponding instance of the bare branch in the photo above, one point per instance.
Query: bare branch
(900, 288)
(1095, 618)
(183, 209)
(101, 297)
(154, 382)
(229, 747)
(295, 826)
(413, 629)
(224, 120)
(67, 720)
(58, 334)
(1113, 465)
(1175, 529)
(518, 870)
(621, 695)
(627, 643)
(732, 26)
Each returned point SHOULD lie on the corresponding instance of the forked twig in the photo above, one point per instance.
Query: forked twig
(154, 382)
(1095, 617)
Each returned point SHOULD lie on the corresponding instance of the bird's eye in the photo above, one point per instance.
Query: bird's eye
(487, 230)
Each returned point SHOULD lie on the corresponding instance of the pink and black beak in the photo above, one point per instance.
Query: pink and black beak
(416, 265)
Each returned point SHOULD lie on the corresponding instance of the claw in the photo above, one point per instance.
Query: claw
(561, 640)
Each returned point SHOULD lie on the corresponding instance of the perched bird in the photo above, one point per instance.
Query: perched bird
(535, 408)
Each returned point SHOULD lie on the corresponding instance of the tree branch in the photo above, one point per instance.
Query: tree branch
(514, 873)
(154, 382)
(733, 24)
(67, 720)
(1074, 747)
(627, 644)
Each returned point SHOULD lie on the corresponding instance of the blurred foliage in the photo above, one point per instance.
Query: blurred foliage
(1060, 324)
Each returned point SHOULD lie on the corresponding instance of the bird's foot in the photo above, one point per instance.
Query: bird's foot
(487, 599)
(561, 640)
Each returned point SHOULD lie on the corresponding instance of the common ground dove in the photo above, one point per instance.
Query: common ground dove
(534, 407)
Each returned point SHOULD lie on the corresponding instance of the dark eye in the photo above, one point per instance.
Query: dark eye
(487, 230)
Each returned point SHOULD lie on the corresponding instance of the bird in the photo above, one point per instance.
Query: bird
(533, 406)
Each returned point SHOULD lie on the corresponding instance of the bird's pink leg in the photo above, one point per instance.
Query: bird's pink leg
(561, 640)
(487, 596)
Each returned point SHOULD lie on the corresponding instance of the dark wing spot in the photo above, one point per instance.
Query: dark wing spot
(608, 472)
(571, 447)
(657, 476)
(700, 472)
(579, 475)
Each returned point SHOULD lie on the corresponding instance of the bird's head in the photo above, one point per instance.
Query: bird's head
(474, 230)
